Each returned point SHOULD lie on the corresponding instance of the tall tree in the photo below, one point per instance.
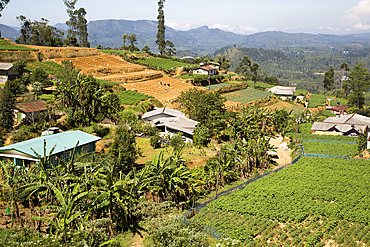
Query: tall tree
(161, 33)
(329, 79)
(3, 3)
(170, 48)
(224, 63)
(38, 32)
(358, 83)
(7, 102)
(77, 23)
(82, 27)
(248, 70)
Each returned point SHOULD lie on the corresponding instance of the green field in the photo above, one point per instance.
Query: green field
(299, 92)
(163, 63)
(50, 67)
(332, 149)
(129, 97)
(340, 100)
(5, 45)
(215, 86)
(247, 95)
(312, 203)
(316, 100)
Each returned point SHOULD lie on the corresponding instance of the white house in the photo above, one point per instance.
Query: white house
(348, 125)
(283, 92)
(206, 70)
(170, 121)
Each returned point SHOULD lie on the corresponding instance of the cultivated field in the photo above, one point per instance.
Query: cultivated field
(131, 76)
(247, 95)
(316, 202)
(280, 104)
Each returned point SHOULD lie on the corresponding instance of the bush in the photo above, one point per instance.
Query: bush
(201, 136)
(155, 141)
(101, 131)
(176, 141)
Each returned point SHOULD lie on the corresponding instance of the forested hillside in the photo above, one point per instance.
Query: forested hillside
(301, 68)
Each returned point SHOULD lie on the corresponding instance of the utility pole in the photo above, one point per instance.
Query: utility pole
(218, 170)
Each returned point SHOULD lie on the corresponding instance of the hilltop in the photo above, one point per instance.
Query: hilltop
(205, 40)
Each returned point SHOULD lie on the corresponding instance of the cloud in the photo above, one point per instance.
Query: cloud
(357, 17)
(242, 29)
(178, 26)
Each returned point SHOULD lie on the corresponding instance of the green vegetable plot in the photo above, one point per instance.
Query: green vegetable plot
(332, 149)
(315, 201)
(247, 95)
(131, 97)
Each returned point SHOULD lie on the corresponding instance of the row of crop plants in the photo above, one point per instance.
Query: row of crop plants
(332, 149)
(129, 97)
(315, 202)
(247, 95)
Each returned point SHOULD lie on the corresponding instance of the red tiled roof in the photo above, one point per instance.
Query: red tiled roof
(31, 106)
(340, 108)
(208, 67)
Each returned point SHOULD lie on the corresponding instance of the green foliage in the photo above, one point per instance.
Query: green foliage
(7, 102)
(172, 232)
(176, 141)
(329, 79)
(49, 67)
(124, 151)
(332, 149)
(247, 95)
(358, 83)
(201, 137)
(100, 130)
(300, 92)
(129, 97)
(316, 100)
(40, 75)
(128, 117)
(155, 141)
(38, 33)
(205, 107)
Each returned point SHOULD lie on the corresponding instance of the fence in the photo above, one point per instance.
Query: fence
(210, 230)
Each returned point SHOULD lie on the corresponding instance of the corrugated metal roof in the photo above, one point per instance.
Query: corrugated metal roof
(167, 111)
(349, 119)
(341, 127)
(31, 106)
(6, 66)
(279, 90)
(62, 141)
(182, 124)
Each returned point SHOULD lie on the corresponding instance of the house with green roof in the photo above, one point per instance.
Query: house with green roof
(22, 154)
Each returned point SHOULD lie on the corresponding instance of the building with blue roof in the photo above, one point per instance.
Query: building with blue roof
(22, 154)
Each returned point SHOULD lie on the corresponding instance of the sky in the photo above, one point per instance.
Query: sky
(238, 16)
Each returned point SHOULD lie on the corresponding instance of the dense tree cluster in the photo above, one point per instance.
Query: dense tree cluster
(39, 33)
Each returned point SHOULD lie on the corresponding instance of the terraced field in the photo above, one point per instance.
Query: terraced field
(131, 76)
(280, 104)
(247, 95)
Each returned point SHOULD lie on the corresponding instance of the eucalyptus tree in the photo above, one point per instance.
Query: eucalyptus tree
(248, 69)
(358, 83)
(329, 79)
(161, 33)
(3, 4)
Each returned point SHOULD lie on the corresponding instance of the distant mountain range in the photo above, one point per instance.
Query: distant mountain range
(203, 40)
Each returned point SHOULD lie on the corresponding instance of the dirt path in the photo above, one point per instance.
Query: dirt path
(282, 151)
